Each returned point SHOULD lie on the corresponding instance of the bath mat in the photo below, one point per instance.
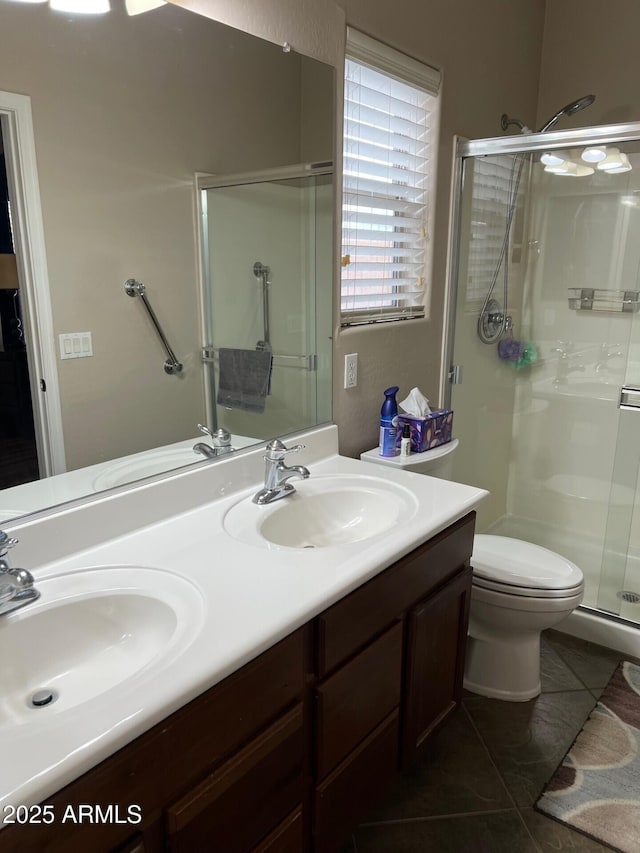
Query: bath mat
(596, 789)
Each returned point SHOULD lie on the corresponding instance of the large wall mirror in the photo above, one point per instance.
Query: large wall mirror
(161, 140)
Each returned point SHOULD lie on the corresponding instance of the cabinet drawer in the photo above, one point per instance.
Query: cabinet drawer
(285, 838)
(242, 801)
(349, 793)
(350, 623)
(353, 701)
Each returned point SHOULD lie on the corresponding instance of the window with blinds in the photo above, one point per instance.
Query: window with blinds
(389, 162)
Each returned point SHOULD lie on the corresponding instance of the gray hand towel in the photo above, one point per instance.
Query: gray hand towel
(243, 378)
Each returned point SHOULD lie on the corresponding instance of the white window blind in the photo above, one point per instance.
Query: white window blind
(389, 161)
(493, 183)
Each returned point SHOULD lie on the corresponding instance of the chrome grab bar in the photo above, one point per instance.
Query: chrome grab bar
(262, 272)
(137, 288)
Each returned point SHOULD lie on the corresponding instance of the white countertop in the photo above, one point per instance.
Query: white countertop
(250, 596)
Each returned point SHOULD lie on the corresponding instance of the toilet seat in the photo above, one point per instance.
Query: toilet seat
(515, 567)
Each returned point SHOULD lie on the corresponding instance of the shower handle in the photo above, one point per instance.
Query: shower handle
(629, 397)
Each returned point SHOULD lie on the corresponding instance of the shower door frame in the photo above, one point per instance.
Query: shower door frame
(204, 182)
(522, 143)
(519, 144)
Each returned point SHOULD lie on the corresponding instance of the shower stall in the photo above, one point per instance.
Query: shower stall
(543, 352)
(267, 255)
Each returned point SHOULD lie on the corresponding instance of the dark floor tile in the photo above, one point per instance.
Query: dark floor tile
(552, 835)
(455, 775)
(555, 675)
(594, 665)
(494, 832)
(527, 740)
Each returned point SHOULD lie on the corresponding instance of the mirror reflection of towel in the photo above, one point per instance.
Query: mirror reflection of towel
(243, 378)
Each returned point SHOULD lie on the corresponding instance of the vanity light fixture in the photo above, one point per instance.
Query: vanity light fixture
(615, 161)
(579, 165)
(594, 154)
(82, 7)
(551, 159)
(137, 7)
(98, 7)
(566, 167)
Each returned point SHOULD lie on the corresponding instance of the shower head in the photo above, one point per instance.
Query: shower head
(568, 110)
(261, 270)
(506, 121)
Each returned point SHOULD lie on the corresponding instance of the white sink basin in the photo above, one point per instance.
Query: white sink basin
(323, 512)
(154, 462)
(90, 632)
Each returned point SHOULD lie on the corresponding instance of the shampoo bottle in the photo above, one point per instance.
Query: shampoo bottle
(389, 422)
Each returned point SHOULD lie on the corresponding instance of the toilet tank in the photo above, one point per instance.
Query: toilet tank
(437, 462)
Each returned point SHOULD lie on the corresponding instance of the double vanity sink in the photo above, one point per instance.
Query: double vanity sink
(152, 595)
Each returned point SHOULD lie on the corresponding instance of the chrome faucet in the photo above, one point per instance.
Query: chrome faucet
(220, 443)
(16, 585)
(566, 365)
(607, 351)
(277, 474)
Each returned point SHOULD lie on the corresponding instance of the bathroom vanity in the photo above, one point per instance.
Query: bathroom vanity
(312, 676)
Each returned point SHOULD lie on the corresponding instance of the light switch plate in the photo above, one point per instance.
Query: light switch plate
(75, 345)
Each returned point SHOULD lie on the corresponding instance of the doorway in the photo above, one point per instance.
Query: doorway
(30, 416)
(18, 453)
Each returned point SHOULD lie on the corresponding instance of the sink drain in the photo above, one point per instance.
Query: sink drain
(629, 596)
(42, 698)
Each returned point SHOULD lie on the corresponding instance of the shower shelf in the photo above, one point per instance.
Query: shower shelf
(591, 299)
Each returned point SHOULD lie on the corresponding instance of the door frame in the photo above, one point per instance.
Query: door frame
(16, 124)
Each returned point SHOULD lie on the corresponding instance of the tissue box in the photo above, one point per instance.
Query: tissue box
(427, 432)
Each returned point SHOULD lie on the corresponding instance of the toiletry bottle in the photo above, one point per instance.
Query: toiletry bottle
(405, 441)
(389, 422)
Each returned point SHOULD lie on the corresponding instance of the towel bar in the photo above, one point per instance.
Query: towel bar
(304, 362)
(137, 288)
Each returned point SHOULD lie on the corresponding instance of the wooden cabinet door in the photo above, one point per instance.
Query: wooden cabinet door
(247, 797)
(434, 667)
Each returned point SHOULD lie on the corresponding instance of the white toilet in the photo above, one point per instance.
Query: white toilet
(519, 589)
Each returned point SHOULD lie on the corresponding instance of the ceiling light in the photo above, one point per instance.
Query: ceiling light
(137, 7)
(594, 154)
(551, 159)
(81, 7)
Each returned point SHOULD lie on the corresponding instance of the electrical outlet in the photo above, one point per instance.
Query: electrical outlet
(351, 370)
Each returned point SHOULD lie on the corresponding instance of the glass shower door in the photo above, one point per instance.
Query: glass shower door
(267, 261)
(619, 591)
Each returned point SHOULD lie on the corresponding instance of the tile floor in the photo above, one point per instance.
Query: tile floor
(475, 789)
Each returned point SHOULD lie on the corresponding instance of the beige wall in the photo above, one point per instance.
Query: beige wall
(591, 48)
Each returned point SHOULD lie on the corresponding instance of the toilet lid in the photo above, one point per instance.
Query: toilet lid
(522, 566)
